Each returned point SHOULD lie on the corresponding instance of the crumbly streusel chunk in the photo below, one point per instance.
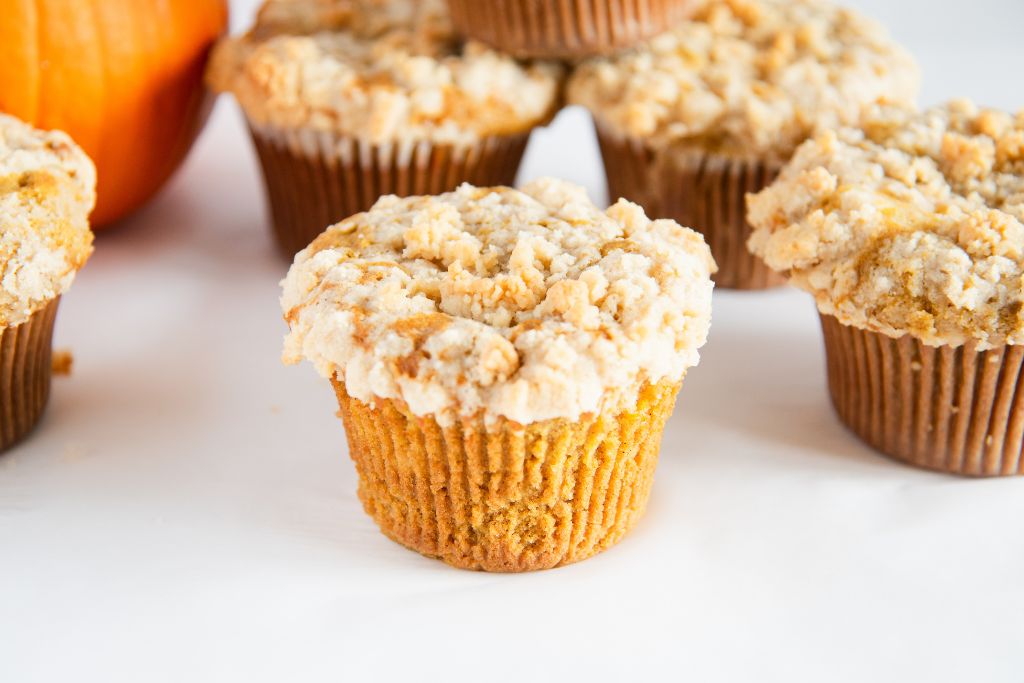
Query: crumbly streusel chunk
(530, 305)
(47, 190)
(751, 78)
(913, 225)
(379, 71)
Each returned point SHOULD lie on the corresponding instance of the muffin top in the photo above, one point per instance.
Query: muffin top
(47, 189)
(381, 71)
(748, 78)
(913, 225)
(529, 305)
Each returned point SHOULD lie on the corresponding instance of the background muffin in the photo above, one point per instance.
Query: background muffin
(47, 189)
(349, 100)
(909, 235)
(505, 362)
(566, 28)
(700, 116)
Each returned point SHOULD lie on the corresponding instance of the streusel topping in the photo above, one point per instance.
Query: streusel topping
(913, 225)
(749, 78)
(531, 305)
(47, 190)
(379, 70)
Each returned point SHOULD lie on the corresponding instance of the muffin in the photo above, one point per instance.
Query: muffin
(348, 100)
(504, 361)
(566, 28)
(47, 189)
(698, 117)
(909, 235)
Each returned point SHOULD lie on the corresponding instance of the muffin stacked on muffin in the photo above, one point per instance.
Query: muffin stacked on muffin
(702, 115)
(566, 29)
(349, 100)
(47, 189)
(505, 362)
(910, 235)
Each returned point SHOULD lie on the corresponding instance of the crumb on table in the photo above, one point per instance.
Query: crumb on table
(62, 362)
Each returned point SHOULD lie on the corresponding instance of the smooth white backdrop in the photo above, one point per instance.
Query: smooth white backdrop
(187, 511)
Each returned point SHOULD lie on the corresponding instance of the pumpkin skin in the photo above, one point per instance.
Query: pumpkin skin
(123, 77)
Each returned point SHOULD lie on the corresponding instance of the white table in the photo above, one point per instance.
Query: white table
(187, 511)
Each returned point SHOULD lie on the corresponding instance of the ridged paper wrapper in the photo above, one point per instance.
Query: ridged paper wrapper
(950, 409)
(566, 29)
(703, 191)
(25, 371)
(315, 179)
(503, 497)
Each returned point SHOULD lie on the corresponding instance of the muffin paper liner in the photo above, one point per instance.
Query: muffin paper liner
(566, 28)
(315, 179)
(706, 192)
(506, 497)
(952, 409)
(25, 353)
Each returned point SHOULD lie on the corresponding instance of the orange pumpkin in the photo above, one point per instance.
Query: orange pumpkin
(123, 77)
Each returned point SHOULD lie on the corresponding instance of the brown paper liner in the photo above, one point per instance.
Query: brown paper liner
(566, 28)
(25, 353)
(314, 180)
(951, 409)
(706, 192)
(504, 497)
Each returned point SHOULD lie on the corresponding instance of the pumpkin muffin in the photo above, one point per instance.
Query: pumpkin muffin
(910, 236)
(349, 100)
(47, 189)
(566, 28)
(505, 362)
(700, 116)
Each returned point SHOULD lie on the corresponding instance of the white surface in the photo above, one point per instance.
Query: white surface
(187, 512)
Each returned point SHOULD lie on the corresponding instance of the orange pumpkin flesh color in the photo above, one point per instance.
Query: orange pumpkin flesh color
(123, 77)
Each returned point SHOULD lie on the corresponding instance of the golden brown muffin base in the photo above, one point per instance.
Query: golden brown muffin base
(506, 498)
(950, 409)
(315, 180)
(565, 29)
(703, 191)
(25, 352)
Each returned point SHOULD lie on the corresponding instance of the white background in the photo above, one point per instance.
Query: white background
(187, 511)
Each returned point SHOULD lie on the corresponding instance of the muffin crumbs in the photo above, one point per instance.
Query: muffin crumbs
(47, 190)
(748, 78)
(913, 225)
(529, 305)
(381, 71)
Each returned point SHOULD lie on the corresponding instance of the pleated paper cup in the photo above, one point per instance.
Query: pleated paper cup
(703, 191)
(25, 357)
(315, 179)
(506, 497)
(950, 409)
(566, 29)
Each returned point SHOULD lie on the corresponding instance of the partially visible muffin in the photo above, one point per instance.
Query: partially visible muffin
(47, 190)
(910, 235)
(505, 361)
(566, 29)
(349, 100)
(701, 115)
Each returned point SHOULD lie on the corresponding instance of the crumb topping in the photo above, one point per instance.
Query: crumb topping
(529, 305)
(379, 70)
(748, 78)
(47, 190)
(913, 225)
